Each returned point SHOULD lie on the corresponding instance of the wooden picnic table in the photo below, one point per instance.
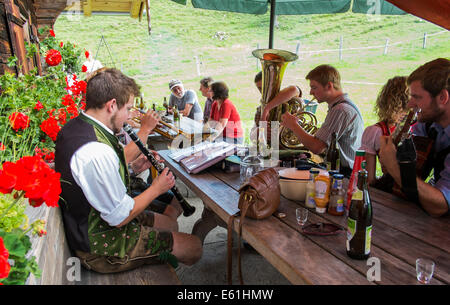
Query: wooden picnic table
(402, 232)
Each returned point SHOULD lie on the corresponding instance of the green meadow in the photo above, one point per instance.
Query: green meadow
(188, 44)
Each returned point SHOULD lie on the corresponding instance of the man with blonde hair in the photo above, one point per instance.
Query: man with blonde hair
(343, 117)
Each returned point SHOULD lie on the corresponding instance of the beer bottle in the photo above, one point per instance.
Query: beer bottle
(142, 104)
(165, 105)
(332, 157)
(176, 115)
(359, 222)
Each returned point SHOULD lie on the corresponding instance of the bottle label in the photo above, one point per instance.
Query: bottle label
(321, 189)
(310, 202)
(368, 240)
(351, 230)
(340, 205)
(358, 195)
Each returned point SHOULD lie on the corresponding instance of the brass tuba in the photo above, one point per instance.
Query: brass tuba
(273, 64)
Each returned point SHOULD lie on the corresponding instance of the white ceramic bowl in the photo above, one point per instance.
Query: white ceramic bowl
(293, 183)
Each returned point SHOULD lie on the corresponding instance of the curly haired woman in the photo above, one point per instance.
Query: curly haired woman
(390, 107)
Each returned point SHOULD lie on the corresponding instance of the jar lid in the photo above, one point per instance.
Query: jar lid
(360, 152)
(338, 176)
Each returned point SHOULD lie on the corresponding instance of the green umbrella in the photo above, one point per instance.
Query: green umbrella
(296, 7)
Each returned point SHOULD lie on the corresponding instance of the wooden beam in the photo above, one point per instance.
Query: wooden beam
(87, 7)
(135, 8)
(111, 6)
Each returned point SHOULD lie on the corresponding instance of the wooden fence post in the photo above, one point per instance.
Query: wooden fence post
(197, 62)
(424, 44)
(297, 49)
(341, 43)
(386, 46)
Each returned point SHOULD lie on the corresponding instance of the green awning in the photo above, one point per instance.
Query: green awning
(376, 7)
(298, 7)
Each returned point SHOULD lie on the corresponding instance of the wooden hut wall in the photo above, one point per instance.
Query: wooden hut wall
(18, 26)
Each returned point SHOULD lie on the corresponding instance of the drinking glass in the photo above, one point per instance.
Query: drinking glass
(250, 165)
(302, 216)
(424, 270)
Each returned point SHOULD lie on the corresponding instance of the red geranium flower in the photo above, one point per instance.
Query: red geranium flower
(8, 178)
(2, 146)
(4, 265)
(38, 106)
(83, 68)
(19, 120)
(53, 57)
(67, 100)
(82, 85)
(50, 157)
(50, 127)
(52, 33)
(86, 54)
(33, 176)
(61, 44)
(62, 116)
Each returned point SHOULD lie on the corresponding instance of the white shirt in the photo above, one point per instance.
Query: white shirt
(370, 141)
(95, 168)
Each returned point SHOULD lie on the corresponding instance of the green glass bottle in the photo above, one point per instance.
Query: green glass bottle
(359, 229)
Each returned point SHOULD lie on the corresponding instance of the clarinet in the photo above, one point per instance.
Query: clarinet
(187, 208)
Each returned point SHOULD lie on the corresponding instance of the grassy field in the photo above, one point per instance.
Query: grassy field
(180, 34)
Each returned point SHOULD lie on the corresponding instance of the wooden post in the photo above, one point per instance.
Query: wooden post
(424, 44)
(197, 62)
(341, 43)
(386, 46)
(297, 49)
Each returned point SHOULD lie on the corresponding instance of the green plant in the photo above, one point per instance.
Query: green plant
(39, 99)
(33, 108)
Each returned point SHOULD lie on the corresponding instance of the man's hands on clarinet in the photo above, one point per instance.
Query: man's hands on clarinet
(164, 181)
(141, 163)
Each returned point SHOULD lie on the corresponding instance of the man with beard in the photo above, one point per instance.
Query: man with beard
(185, 100)
(105, 227)
(429, 91)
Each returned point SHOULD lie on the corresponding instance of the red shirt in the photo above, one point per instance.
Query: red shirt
(233, 129)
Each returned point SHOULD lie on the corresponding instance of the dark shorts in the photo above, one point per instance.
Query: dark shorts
(150, 245)
(160, 204)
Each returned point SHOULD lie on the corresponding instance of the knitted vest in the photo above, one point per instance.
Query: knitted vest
(84, 228)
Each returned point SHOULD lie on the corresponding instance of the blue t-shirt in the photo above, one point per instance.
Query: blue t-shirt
(442, 141)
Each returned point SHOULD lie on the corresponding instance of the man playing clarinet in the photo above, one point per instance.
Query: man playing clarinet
(105, 227)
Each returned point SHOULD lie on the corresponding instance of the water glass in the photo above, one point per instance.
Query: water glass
(302, 215)
(250, 165)
(424, 270)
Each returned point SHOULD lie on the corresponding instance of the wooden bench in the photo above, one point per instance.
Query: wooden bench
(52, 254)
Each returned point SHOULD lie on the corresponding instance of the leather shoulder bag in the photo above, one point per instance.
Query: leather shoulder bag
(259, 198)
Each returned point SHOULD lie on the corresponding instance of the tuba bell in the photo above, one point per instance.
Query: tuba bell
(273, 64)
